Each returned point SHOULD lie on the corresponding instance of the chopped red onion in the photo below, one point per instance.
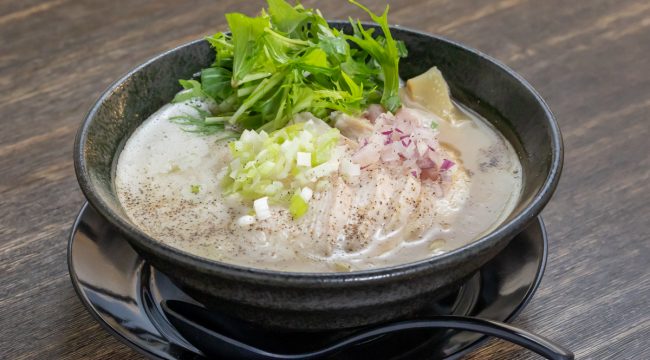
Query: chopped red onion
(426, 163)
(446, 165)
(391, 144)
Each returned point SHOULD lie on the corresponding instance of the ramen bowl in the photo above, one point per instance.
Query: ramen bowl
(322, 301)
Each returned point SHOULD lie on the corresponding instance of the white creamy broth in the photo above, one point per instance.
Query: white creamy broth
(378, 219)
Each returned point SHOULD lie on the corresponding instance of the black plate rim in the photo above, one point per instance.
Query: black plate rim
(541, 268)
(147, 353)
(84, 300)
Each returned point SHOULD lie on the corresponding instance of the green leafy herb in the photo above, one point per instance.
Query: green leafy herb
(201, 122)
(385, 51)
(289, 60)
(192, 89)
(195, 189)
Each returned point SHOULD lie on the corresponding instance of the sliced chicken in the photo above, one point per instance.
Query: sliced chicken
(352, 127)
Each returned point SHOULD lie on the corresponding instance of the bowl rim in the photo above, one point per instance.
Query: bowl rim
(505, 230)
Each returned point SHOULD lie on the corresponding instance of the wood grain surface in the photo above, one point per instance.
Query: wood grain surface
(589, 59)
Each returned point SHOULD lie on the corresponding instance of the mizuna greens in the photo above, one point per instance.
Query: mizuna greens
(288, 60)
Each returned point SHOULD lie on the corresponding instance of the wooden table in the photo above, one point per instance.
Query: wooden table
(589, 59)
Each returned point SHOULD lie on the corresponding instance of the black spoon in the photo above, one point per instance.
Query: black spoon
(214, 343)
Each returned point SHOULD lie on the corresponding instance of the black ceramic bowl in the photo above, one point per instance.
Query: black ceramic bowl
(326, 300)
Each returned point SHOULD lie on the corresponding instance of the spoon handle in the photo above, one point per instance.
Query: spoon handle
(213, 343)
(525, 339)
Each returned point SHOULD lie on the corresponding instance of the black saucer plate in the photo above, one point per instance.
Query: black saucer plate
(124, 294)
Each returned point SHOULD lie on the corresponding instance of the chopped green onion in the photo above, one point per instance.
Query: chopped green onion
(298, 206)
(275, 165)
